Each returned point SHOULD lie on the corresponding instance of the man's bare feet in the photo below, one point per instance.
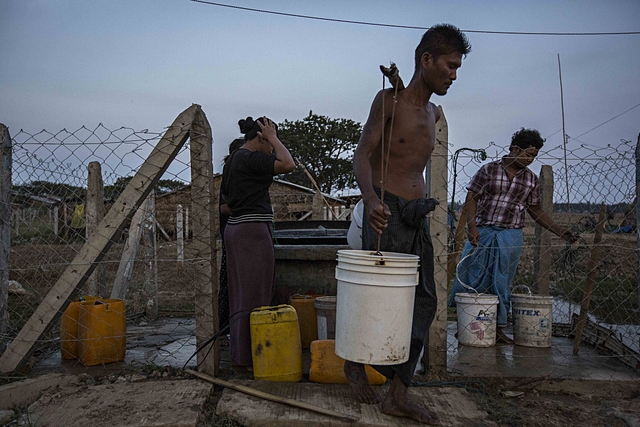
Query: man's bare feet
(359, 382)
(397, 403)
(502, 337)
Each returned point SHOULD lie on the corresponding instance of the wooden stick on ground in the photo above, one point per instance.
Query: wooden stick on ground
(261, 394)
(591, 277)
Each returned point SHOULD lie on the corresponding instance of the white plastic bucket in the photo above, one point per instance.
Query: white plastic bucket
(532, 320)
(476, 319)
(326, 316)
(354, 235)
(374, 309)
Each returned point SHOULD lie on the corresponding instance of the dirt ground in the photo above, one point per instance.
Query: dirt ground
(509, 402)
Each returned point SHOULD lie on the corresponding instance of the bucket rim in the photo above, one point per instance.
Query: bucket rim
(482, 296)
(369, 255)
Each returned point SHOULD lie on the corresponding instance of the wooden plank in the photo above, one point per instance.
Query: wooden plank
(591, 277)
(204, 217)
(127, 260)
(542, 255)
(5, 226)
(438, 190)
(94, 250)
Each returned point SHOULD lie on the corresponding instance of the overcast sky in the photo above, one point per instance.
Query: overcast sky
(68, 63)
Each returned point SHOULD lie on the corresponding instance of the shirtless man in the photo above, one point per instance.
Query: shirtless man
(399, 221)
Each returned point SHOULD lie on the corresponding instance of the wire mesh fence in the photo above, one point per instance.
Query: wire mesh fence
(150, 265)
(164, 274)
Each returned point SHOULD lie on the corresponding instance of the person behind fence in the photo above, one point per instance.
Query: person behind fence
(223, 293)
(248, 240)
(399, 219)
(498, 196)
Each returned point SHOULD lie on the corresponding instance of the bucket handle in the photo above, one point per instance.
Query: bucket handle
(469, 288)
(521, 286)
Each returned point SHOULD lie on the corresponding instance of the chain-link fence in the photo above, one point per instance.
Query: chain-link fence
(593, 193)
(160, 257)
(141, 254)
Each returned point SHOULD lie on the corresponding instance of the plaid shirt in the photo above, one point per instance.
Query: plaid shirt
(502, 202)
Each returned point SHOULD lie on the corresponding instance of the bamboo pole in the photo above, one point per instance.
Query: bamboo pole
(591, 276)
(271, 397)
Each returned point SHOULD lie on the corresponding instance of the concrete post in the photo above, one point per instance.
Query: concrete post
(437, 186)
(94, 211)
(542, 255)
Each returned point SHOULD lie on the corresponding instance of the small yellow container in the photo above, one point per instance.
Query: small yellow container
(275, 344)
(328, 368)
(307, 317)
(69, 327)
(102, 331)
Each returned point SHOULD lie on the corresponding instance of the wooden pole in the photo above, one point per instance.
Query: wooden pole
(128, 258)
(591, 276)
(95, 249)
(180, 235)
(5, 226)
(638, 212)
(271, 397)
(150, 258)
(204, 220)
(542, 253)
(437, 346)
(94, 211)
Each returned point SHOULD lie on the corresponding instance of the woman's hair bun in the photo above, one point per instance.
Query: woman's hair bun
(246, 125)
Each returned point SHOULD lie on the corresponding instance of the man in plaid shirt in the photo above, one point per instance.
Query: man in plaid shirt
(498, 196)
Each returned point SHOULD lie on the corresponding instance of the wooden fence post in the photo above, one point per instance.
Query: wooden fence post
(5, 226)
(638, 212)
(542, 252)
(150, 258)
(94, 212)
(180, 235)
(438, 186)
(591, 277)
(204, 219)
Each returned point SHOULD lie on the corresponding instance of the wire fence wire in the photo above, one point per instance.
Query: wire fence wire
(591, 177)
(48, 230)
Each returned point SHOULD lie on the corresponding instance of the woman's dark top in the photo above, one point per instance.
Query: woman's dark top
(246, 179)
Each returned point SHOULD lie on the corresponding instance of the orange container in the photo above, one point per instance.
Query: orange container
(307, 317)
(69, 328)
(328, 368)
(102, 331)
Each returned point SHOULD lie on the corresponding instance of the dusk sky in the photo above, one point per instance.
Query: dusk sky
(68, 63)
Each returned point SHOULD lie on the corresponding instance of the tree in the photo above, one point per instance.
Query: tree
(325, 147)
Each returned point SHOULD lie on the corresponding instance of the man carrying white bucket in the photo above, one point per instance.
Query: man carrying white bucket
(498, 196)
(395, 146)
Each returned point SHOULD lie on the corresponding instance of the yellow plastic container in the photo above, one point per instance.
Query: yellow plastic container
(307, 317)
(102, 331)
(275, 344)
(69, 328)
(328, 368)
